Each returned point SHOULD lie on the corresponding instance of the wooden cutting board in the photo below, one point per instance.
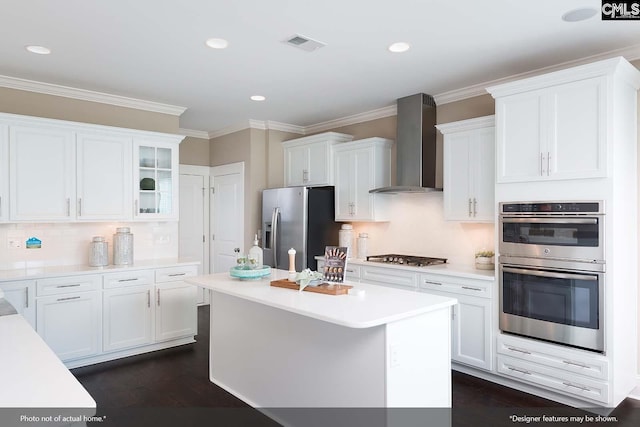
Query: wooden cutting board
(324, 288)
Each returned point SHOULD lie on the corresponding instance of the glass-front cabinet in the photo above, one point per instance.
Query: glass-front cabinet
(155, 180)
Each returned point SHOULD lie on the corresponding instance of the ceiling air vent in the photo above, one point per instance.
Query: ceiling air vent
(304, 43)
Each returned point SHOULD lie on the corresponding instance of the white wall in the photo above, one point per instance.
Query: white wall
(68, 244)
(417, 227)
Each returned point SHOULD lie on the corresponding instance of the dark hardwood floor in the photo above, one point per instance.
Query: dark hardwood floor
(172, 388)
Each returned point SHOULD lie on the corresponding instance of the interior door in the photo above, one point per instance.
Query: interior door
(227, 219)
(192, 223)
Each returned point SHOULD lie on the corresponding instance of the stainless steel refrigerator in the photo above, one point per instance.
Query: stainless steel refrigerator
(301, 218)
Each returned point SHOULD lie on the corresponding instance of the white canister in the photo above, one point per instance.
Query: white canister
(363, 240)
(98, 252)
(345, 238)
(123, 246)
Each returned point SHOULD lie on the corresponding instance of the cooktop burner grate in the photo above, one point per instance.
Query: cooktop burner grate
(410, 260)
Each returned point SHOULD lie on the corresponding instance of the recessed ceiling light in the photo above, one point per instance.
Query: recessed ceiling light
(40, 50)
(258, 98)
(581, 14)
(399, 47)
(217, 43)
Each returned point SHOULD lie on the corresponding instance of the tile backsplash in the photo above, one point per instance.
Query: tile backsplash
(68, 243)
(417, 227)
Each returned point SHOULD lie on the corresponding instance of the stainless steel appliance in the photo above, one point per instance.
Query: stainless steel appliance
(554, 230)
(552, 272)
(410, 260)
(301, 218)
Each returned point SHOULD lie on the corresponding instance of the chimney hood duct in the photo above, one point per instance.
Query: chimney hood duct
(415, 146)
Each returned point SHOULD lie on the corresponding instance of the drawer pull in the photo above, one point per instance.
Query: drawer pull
(518, 350)
(579, 387)
(469, 288)
(427, 282)
(522, 371)
(177, 274)
(580, 365)
(149, 298)
(128, 280)
(350, 271)
(69, 286)
(26, 297)
(67, 299)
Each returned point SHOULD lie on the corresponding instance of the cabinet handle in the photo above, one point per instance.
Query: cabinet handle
(541, 162)
(135, 208)
(579, 387)
(469, 288)
(67, 299)
(128, 280)
(148, 298)
(548, 163)
(427, 282)
(305, 175)
(349, 271)
(26, 297)
(69, 286)
(581, 365)
(469, 206)
(518, 350)
(80, 206)
(522, 371)
(177, 274)
(158, 297)
(475, 207)
(68, 206)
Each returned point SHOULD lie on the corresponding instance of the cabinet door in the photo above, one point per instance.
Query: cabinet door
(176, 314)
(4, 173)
(518, 138)
(319, 164)
(576, 135)
(71, 324)
(363, 171)
(483, 179)
(457, 177)
(296, 166)
(21, 295)
(155, 180)
(42, 174)
(344, 183)
(128, 317)
(471, 332)
(103, 177)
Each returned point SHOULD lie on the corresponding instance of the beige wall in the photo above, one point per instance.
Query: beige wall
(195, 151)
(275, 156)
(57, 107)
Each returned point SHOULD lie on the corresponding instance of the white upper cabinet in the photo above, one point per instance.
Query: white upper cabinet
(308, 161)
(42, 173)
(469, 169)
(155, 179)
(103, 177)
(361, 166)
(559, 125)
(4, 172)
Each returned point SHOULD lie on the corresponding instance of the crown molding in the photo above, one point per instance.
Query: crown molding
(630, 53)
(194, 133)
(286, 127)
(88, 95)
(379, 113)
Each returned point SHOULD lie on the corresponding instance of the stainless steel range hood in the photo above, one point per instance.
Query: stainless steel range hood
(415, 146)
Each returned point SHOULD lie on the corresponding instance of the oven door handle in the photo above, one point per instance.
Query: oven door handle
(549, 274)
(550, 220)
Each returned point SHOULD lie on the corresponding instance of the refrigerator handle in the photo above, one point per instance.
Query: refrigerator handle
(274, 235)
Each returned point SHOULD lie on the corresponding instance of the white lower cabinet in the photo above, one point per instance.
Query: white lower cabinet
(21, 295)
(176, 315)
(572, 372)
(471, 326)
(394, 278)
(71, 324)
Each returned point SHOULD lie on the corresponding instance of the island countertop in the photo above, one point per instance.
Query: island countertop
(379, 305)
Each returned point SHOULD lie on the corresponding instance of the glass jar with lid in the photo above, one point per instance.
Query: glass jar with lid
(123, 246)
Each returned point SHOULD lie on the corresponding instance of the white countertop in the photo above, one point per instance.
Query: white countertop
(32, 375)
(457, 270)
(72, 270)
(379, 304)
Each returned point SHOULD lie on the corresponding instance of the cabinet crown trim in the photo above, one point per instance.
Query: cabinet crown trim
(366, 142)
(469, 124)
(618, 66)
(332, 137)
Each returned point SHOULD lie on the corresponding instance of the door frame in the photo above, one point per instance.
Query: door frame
(227, 169)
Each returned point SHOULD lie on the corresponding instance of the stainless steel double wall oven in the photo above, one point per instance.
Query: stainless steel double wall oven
(552, 271)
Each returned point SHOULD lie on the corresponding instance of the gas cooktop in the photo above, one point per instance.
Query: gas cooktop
(410, 260)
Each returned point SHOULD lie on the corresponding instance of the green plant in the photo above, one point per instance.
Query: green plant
(487, 254)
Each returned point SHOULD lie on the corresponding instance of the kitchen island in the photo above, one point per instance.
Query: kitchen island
(381, 347)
